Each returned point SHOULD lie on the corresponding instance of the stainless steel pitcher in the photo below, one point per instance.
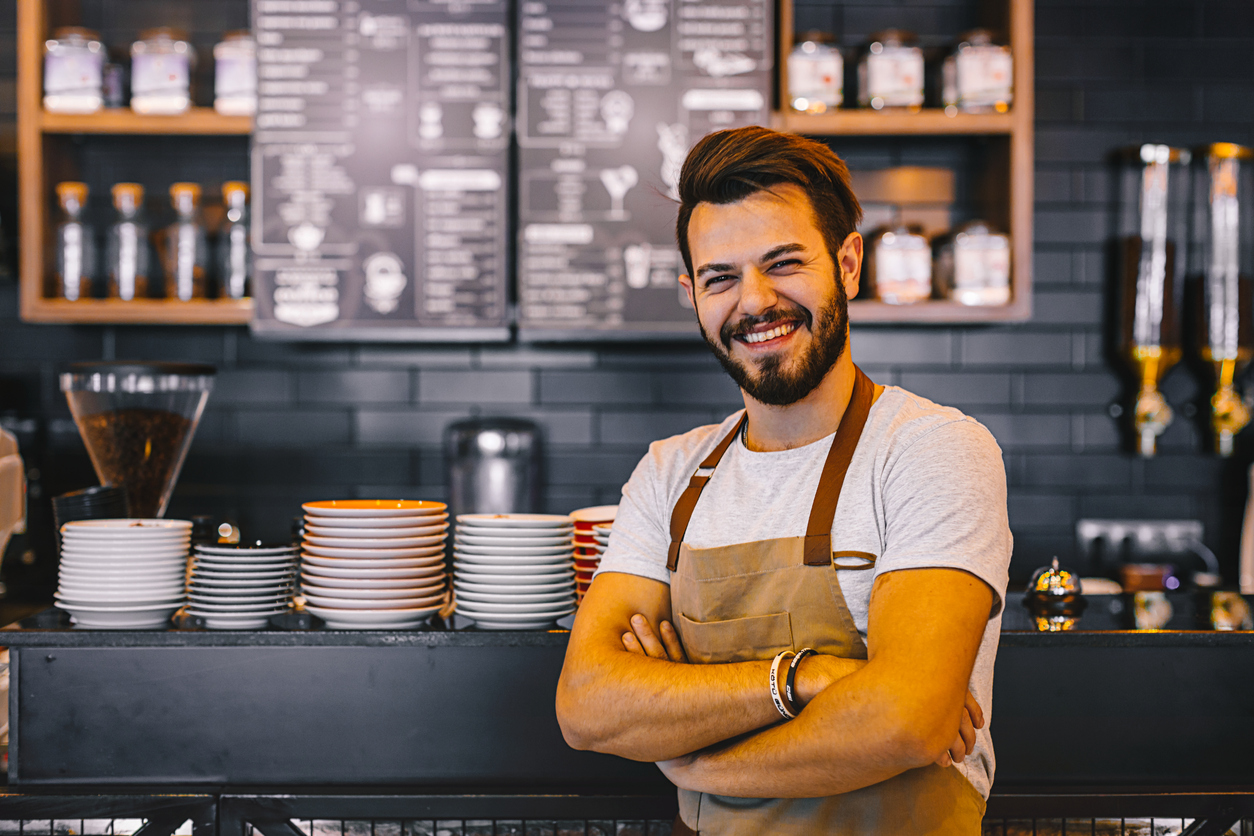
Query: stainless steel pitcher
(493, 466)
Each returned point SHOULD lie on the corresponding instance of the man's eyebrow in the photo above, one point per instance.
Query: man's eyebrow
(775, 252)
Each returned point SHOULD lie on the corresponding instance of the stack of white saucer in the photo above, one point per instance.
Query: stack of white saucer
(241, 587)
(374, 564)
(514, 571)
(123, 574)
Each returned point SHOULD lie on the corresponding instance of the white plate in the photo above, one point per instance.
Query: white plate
(74, 589)
(225, 568)
(503, 531)
(330, 582)
(399, 602)
(373, 508)
(514, 588)
(488, 579)
(372, 563)
(244, 552)
(373, 619)
(174, 599)
(122, 548)
(122, 577)
(566, 597)
(414, 591)
(597, 513)
(516, 520)
(375, 542)
(364, 533)
(261, 559)
(556, 609)
(237, 583)
(232, 621)
(326, 551)
(122, 541)
(88, 619)
(492, 621)
(371, 574)
(513, 560)
(123, 554)
(123, 560)
(540, 573)
(258, 601)
(514, 542)
(244, 576)
(377, 522)
(136, 524)
(198, 607)
(515, 551)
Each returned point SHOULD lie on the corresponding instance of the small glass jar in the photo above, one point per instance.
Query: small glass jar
(978, 76)
(74, 61)
(184, 246)
(161, 69)
(890, 72)
(75, 244)
(973, 266)
(235, 74)
(234, 256)
(816, 74)
(900, 266)
(126, 248)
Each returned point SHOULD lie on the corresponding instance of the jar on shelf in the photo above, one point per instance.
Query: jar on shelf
(161, 69)
(978, 76)
(235, 74)
(74, 61)
(890, 72)
(126, 247)
(234, 256)
(899, 265)
(816, 74)
(75, 244)
(184, 247)
(973, 265)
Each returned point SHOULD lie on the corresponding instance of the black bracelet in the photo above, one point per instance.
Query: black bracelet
(791, 680)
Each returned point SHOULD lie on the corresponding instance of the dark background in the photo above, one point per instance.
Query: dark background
(293, 422)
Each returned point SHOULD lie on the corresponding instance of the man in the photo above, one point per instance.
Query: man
(856, 520)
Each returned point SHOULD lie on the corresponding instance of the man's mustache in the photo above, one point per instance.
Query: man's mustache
(746, 325)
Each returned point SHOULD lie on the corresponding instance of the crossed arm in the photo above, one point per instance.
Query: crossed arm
(625, 690)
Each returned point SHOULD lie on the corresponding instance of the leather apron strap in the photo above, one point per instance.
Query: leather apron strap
(818, 542)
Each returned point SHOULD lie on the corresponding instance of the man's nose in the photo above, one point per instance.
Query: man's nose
(757, 292)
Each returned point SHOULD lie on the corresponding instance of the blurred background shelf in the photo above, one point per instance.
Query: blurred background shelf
(199, 121)
(929, 121)
(141, 311)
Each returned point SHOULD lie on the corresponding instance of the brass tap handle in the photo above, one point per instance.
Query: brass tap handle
(1151, 419)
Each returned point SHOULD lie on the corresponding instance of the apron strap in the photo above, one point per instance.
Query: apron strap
(682, 512)
(818, 544)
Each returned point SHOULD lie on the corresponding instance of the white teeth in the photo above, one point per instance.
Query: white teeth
(763, 336)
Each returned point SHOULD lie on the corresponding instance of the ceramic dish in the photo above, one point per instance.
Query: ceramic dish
(245, 576)
(332, 592)
(374, 603)
(514, 580)
(534, 574)
(503, 531)
(514, 551)
(555, 609)
(373, 508)
(398, 619)
(512, 542)
(329, 582)
(326, 551)
(230, 621)
(565, 597)
(516, 520)
(363, 533)
(87, 618)
(491, 622)
(375, 542)
(511, 560)
(374, 563)
(377, 522)
(403, 572)
(513, 588)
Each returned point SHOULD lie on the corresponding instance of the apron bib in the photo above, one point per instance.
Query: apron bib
(749, 601)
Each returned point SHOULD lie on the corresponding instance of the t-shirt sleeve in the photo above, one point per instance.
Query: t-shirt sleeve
(945, 506)
(640, 537)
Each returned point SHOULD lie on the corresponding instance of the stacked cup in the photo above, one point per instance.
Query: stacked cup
(374, 564)
(241, 587)
(587, 550)
(122, 574)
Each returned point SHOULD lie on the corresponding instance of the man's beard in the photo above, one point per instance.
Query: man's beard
(772, 384)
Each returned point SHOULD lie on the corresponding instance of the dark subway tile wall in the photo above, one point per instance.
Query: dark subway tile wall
(291, 422)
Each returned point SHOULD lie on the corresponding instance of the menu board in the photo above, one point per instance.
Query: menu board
(380, 169)
(611, 96)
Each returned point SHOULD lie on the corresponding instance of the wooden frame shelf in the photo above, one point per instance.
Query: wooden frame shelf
(143, 311)
(930, 121)
(938, 311)
(199, 121)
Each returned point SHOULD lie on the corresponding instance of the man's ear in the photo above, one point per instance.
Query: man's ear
(849, 262)
(686, 281)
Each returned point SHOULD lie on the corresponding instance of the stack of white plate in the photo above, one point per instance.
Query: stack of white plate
(122, 574)
(514, 571)
(241, 587)
(374, 564)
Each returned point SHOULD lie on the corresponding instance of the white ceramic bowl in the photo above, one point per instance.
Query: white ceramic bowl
(377, 522)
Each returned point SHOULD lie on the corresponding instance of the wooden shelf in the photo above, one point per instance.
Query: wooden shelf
(140, 311)
(937, 312)
(201, 121)
(927, 122)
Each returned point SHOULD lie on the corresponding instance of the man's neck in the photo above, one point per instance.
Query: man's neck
(818, 414)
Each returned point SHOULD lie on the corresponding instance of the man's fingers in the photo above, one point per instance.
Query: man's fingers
(631, 644)
(670, 639)
(973, 709)
(967, 732)
(648, 639)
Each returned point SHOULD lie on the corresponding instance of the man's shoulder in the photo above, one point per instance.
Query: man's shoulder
(677, 456)
(903, 418)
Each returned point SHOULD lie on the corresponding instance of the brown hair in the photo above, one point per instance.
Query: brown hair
(728, 166)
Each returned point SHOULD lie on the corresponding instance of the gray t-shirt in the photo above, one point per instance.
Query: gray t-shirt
(926, 489)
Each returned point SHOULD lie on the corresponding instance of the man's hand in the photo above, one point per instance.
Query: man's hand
(816, 672)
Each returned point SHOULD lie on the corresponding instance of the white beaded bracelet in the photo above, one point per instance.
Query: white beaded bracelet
(776, 697)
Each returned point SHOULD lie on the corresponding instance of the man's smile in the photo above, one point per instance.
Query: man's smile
(766, 332)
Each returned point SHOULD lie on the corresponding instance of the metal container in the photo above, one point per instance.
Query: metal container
(493, 466)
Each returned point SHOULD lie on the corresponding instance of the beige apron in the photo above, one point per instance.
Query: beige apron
(750, 601)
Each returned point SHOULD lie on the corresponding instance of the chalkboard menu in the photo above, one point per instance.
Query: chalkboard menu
(611, 95)
(380, 169)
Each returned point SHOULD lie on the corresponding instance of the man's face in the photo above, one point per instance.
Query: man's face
(770, 301)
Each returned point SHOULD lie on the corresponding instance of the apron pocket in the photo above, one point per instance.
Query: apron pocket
(736, 640)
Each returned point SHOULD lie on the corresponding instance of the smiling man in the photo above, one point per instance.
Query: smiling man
(799, 608)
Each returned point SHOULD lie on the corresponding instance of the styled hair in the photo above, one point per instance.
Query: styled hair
(728, 166)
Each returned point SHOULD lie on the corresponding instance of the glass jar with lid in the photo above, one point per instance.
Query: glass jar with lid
(74, 61)
(978, 76)
(161, 70)
(973, 265)
(234, 255)
(75, 244)
(184, 247)
(890, 72)
(816, 74)
(126, 247)
(235, 74)
(900, 265)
